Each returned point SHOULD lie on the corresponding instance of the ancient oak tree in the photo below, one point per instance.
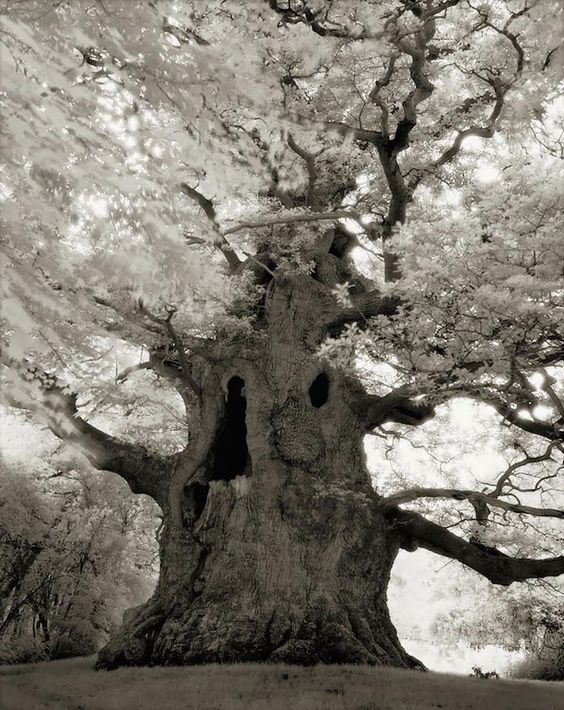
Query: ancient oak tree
(315, 219)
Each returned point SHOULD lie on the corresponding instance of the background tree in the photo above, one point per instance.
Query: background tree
(74, 557)
(199, 183)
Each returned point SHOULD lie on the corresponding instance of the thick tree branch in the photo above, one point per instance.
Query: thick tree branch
(397, 406)
(338, 128)
(162, 366)
(554, 431)
(293, 219)
(124, 374)
(547, 386)
(143, 471)
(364, 306)
(309, 159)
(127, 316)
(492, 564)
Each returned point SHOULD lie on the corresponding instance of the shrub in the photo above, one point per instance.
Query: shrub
(534, 668)
(22, 650)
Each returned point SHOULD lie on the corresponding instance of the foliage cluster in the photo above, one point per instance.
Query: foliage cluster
(76, 551)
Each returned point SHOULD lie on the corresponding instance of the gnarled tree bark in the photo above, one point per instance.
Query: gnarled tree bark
(275, 546)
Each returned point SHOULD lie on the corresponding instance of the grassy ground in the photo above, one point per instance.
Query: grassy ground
(74, 685)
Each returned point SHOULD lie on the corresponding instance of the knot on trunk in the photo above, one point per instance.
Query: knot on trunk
(297, 433)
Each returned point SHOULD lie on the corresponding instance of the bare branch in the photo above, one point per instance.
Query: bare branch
(178, 344)
(490, 499)
(207, 207)
(506, 476)
(293, 219)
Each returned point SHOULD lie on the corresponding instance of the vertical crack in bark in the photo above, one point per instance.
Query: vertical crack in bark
(197, 580)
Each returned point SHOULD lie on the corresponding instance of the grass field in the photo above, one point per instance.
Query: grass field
(74, 685)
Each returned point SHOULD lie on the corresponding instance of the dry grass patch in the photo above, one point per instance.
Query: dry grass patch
(74, 685)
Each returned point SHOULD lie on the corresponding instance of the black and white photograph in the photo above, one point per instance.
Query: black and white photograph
(282, 354)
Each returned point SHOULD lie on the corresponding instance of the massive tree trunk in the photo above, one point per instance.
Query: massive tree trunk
(272, 546)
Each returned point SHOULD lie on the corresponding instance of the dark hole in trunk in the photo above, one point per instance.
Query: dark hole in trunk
(230, 449)
(340, 244)
(196, 497)
(319, 390)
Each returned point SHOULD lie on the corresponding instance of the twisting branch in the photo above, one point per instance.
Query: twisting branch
(486, 130)
(321, 26)
(389, 148)
(375, 98)
(491, 563)
(208, 209)
(506, 476)
(309, 159)
(401, 190)
(500, 89)
(422, 86)
(547, 387)
(505, 31)
(490, 499)
(178, 344)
